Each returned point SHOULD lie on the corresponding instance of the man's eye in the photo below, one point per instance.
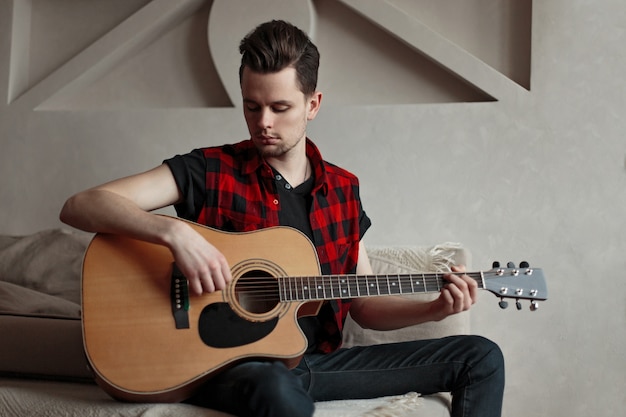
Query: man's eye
(252, 108)
(280, 109)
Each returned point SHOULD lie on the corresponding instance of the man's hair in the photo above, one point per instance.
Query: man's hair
(276, 45)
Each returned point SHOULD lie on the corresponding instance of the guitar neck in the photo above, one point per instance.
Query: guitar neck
(329, 287)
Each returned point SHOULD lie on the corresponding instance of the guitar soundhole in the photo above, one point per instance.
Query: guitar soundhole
(257, 292)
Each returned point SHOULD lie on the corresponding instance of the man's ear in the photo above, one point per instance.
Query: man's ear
(314, 102)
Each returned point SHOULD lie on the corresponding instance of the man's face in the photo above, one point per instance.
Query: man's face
(276, 111)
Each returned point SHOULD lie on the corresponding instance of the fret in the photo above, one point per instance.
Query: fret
(406, 284)
(305, 290)
(328, 287)
(338, 281)
(281, 289)
(318, 288)
(307, 293)
(291, 293)
(289, 289)
(378, 278)
(353, 286)
(371, 285)
(344, 286)
(433, 284)
(478, 277)
(301, 288)
(361, 283)
(290, 286)
(335, 290)
(296, 288)
(394, 284)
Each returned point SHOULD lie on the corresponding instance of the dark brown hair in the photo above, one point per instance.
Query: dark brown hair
(276, 45)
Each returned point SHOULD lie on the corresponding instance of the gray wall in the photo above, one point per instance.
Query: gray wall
(517, 156)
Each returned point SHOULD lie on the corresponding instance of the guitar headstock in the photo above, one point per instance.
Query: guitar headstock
(523, 283)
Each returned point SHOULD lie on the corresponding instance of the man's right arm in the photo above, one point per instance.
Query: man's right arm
(123, 207)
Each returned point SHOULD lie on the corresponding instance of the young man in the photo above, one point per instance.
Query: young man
(278, 177)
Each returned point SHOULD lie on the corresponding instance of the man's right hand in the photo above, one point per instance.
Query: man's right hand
(205, 267)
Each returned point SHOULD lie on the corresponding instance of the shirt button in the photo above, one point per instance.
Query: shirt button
(288, 186)
(275, 201)
(278, 177)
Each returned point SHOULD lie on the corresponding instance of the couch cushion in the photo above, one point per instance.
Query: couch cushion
(18, 300)
(43, 347)
(49, 262)
(40, 305)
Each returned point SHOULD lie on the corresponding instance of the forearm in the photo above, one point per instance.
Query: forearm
(100, 210)
(390, 312)
(124, 207)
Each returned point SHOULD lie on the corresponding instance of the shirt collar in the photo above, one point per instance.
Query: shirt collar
(319, 167)
(252, 162)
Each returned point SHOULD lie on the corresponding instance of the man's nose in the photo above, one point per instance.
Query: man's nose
(266, 118)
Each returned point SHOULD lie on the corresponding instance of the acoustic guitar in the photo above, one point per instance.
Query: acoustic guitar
(148, 339)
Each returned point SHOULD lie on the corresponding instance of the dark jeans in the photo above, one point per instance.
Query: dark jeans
(470, 367)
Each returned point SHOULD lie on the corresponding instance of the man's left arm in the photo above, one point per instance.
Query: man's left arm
(392, 312)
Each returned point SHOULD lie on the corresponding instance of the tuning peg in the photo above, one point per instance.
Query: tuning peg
(495, 264)
(510, 264)
(518, 304)
(503, 304)
(524, 264)
(534, 305)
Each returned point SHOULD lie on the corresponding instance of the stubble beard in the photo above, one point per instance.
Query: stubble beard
(275, 151)
(280, 149)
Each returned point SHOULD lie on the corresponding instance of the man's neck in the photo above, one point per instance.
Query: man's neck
(295, 172)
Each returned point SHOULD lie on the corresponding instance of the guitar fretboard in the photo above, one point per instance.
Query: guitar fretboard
(328, 287)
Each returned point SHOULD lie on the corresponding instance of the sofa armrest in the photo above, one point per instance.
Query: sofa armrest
(412, 259)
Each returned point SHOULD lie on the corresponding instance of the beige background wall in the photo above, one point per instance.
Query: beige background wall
(519, 155)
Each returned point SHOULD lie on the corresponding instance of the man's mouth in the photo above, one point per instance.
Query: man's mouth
(267, 139)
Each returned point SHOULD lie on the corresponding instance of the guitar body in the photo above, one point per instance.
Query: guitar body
(137, 349)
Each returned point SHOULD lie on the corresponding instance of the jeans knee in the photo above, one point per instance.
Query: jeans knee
(490, 357)
(256, 389)
(279, 393)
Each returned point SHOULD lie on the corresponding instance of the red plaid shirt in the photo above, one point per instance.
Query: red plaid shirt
(232, 188)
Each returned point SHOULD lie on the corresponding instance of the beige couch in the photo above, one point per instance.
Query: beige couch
(43, 370)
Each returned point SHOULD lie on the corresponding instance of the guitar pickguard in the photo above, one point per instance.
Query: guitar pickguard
(220, 327)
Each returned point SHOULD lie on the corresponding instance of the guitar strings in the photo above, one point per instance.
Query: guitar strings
(341, 286)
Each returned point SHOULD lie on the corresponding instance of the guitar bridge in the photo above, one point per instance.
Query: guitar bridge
(179, 294)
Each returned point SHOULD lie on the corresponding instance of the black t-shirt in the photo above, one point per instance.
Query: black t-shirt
(295, 204)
